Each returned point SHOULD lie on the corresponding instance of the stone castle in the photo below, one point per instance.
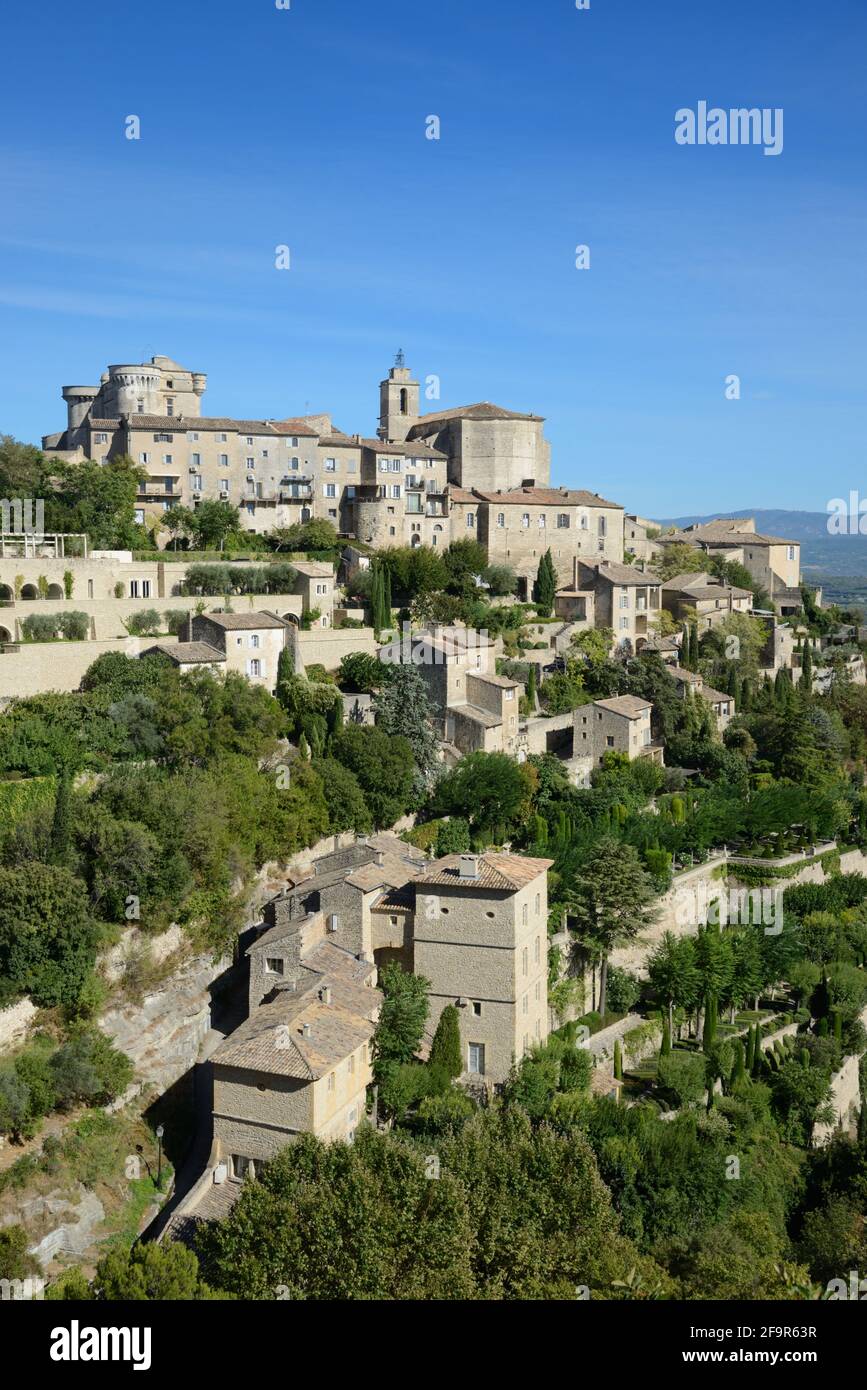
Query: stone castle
(478, 471)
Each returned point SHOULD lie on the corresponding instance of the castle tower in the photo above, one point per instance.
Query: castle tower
(398, 402)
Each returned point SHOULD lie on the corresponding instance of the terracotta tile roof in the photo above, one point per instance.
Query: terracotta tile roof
(461, 494)
(103, 424)
(314, 569)
(629, 705)
(403, 449)
(187, 653)
(547, 497)
(482, 410)
(273, 1039)
(234, 622)
(717, 697)
(623, 574)
(181, 424)
(504, 872)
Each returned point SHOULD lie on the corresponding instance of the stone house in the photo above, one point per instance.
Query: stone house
(773, 562)
(704, 599)
(621, 724)
(627, 600)
(251, 643)
(518, 525)
(315, 584)
(722, 705)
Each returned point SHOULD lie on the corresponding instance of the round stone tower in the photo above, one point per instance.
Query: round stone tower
(130, 384)
(78, 399)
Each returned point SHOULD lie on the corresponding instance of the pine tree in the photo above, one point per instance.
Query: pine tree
(61, 826)
(445, 1050)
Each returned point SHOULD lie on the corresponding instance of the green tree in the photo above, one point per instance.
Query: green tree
(384, 767)
(453, 837)
(610, 900)
(47, 936)
(489, 790)
(403, 708)
(402, 1018)
(546, 585)
(61, 825)
(445, 1051)
(150, 1273)
(347, 808)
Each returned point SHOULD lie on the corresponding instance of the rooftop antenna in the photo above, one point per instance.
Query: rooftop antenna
(400, 360)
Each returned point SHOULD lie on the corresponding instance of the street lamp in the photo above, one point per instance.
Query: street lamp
(160, 1132)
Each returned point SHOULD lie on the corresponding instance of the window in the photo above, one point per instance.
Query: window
(170, 407)
(103, 439)
(329, 489)
(791, 552)
(221, 438)
(395, 489)
(143, 458)
(249, 439)
(477, 1008)
(331, 1081)
(224, 460)
(274, 965)
(609, 740)
(508, 694)
(167, 458)
(196, 482)
(501, 519)
(170, 385)
(145, 588)
(294, 441)
(133, 588)
(602, 526)
(525, 1004)
(139, 517)
(525, 520)
(240, 1166)
(542, 521)
(525, 960)
(476, 1058)
(538, 907)
(254, 640)
(538, 990)
(624, 623)
(193, 436)
(163, 438)
(471, 519)
(352, 1064)
(196, 460)
(264, 453)
(624, 600)
(563, 520)
(524, 911)
(254, 667)
(251, 463)
(224, 484)
(584, 521)
(330, 465)
(139, 407)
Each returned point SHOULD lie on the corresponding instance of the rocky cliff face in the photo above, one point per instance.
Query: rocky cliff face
(162, 1034)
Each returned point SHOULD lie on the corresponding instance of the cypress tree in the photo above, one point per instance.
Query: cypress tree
(445, 1050)
(386, 597)
(804, 1056)
(531, 687)
(540, 830)
(618, 1061)
(546, 585)
(710, 1019)
(739, 1068)
(838, 1026)
(665, 1048)
(806, 681)
(61, 825)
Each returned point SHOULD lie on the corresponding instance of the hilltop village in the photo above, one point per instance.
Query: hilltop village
(400, 795)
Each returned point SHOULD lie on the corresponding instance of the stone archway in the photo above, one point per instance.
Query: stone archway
(56, 591)
(29, 592)
(5, 636)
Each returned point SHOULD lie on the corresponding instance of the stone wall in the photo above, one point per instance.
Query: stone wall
(328, 646)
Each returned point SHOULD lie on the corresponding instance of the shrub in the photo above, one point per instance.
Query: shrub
(145, 623)
(74, 626)
(682, 1073)
(39, 627)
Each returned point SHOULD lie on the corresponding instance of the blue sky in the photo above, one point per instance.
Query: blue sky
(306, 127)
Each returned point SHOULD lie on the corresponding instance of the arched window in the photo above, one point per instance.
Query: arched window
(404, 400)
